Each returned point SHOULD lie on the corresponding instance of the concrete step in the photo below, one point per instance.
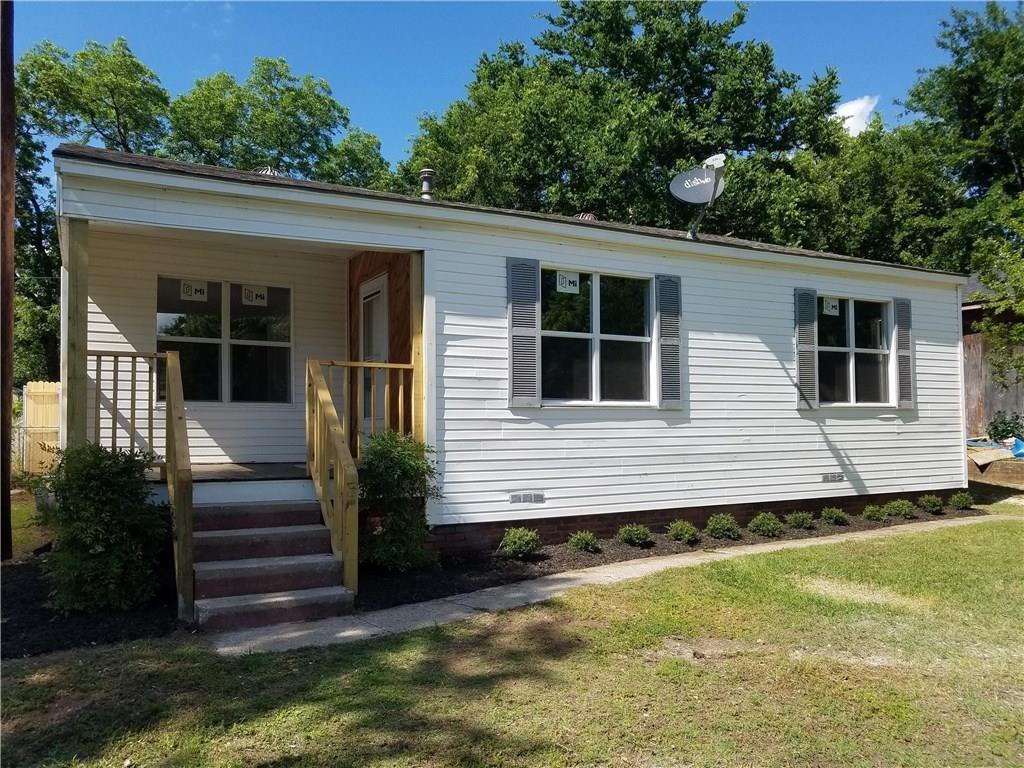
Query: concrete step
(247, 543)
(272, 608)
(223, 517)
(226, 578)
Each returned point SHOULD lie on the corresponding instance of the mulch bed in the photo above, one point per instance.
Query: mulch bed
(453, 576)
(30, 627)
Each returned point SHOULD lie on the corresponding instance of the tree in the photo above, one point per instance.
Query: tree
(273, 119)
(977, 101)
(619, 97)
(356, 161)
(99, 92)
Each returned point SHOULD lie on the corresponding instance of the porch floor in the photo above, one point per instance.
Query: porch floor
(209, 473)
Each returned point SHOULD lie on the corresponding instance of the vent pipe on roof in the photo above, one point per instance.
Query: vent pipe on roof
(427, 184)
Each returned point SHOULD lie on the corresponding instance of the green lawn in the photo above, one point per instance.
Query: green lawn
(900, 652)
(26, 532)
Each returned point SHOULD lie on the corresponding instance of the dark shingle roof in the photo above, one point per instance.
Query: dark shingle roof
(148, 162)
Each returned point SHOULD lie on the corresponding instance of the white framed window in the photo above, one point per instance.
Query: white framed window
(234, 339)
(595, 338)
(854, 340)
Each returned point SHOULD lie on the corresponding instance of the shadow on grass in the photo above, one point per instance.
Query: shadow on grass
(401, 697)
(986, 493)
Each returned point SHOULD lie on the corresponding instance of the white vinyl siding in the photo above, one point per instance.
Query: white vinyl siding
(739, 435)
(123, 270)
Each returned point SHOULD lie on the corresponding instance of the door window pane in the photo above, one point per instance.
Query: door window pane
(259, 374)
(869, 325)
(833, 377)
(567, 309)
(260, 313)
(832, 321)
(565, 368)
(623, 369)
(871, 373)
(188, 308)
(200, 369)
(624, 306)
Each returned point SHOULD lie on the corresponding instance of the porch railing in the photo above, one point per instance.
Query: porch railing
(179, 488)
(333, 471)
(371, 397)
(124, 416)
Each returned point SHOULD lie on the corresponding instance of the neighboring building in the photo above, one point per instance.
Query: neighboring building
(569, 372)
(982, 395)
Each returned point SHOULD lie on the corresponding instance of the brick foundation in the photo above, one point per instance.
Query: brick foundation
(469, 538)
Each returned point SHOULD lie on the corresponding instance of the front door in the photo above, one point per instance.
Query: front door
(373, 347)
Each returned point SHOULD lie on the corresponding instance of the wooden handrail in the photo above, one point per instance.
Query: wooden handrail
(334, 473)
(383, 389)
(114, 388)
(179, 488)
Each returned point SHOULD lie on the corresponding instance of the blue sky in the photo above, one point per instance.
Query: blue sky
(391, 62)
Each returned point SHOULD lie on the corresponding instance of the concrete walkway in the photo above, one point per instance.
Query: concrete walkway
(445, 610)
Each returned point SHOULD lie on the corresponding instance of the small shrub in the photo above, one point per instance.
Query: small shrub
(874, 513)
(397, 474)
(110, 540)
(766, 524)
(930, 503)
(684, 531)
(519, 543)
(961, 500)
(804, 520)
(583, 541)
(722, 526)
(1005, 425)
(901, 508)
(834, 516)
(634, 535)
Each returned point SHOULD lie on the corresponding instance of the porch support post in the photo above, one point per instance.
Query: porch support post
(74, 333)
(416, 338)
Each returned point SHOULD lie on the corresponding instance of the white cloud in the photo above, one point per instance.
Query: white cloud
(856, 113)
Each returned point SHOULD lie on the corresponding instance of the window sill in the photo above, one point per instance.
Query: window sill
(588, 404)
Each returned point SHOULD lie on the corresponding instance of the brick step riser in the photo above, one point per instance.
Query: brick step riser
(229, 585)
(266, 616)
(246, 549)
(228, 520)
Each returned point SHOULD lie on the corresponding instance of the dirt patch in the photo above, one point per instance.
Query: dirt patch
(455, 575)
(29, 627)
(703, 649)
(878, 660)
(856, 592)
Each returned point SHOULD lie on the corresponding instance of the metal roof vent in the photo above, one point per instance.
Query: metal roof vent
(266, 170)
(585, 217)
(427, 184)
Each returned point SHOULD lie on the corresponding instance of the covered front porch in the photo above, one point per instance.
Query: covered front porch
(240, 360)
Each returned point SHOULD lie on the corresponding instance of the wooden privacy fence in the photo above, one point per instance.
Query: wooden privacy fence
(40, 426)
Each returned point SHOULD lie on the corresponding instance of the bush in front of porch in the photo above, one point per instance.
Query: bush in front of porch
(397, 474)
(110, 539)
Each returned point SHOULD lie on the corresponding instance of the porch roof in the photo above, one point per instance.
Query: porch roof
(99, 155)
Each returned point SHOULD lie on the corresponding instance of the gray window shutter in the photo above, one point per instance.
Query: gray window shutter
(669, 302)
(904, 353)
(806, 323)
(523, 287)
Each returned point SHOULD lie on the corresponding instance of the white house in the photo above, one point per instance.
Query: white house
(566, 370)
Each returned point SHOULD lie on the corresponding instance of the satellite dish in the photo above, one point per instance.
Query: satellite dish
(700, 186)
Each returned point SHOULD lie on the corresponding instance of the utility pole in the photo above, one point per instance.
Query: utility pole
(7, 118)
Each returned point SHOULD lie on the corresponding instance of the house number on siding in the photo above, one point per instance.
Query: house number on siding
(568, 282)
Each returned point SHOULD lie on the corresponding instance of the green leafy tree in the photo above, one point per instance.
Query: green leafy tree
(100, 92)
(976, 100)
(356, 161)
(618, 98)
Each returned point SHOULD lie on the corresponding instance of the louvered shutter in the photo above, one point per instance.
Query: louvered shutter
(668, 297)
(523, 287)
(904, 353)
(806, 323)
